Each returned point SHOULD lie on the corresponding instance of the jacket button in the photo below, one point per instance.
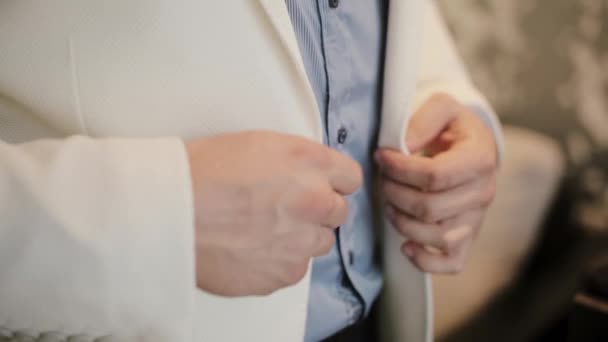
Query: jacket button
(342, 135)
(334, 3)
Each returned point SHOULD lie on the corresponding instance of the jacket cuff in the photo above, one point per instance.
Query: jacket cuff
(104, 231)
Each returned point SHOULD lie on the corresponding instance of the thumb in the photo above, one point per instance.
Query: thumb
(432, 119)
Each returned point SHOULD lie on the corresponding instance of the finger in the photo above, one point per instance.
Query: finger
(326, 241)
(316, 204)
(294, 272)
(432, 207)
(304, 243)
(337, 215)
(445, 239)
(446, 170)
(433, 262)
(344, 173)
(430, 121)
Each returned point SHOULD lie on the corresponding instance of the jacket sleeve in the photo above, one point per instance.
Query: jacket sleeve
(96, 238)
(441, 70)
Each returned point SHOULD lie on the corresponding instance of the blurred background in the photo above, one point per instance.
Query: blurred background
(539, 271)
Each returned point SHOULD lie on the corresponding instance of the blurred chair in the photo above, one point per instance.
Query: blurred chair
(530, 175)
(543, 65)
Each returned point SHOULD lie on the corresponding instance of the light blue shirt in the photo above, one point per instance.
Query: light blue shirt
(342, 49)
(342, 46)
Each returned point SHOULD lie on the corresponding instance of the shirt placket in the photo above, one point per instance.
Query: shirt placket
(337, 63)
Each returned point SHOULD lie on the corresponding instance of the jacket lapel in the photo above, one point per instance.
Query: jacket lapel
(407, 298)
(277, 14)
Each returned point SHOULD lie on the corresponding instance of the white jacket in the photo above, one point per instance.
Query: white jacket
(96, 214)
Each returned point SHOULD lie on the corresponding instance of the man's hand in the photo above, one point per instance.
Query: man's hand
(265, 204)
(437, 197)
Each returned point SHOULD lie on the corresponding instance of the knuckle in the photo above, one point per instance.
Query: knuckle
(322, 158)
(329, 241)
(311, 153)
(387, 188)
(326, 206)
(400, 224)
(311, 241)
(295, 273)
(392, 192)
(424, 210)
(445, 225)
(446, 243)
(393, 165)
(456, 267)
(300, 151)
(489, 195)
(299, 244)
(420, 210)
(435, 179)
(317, 204)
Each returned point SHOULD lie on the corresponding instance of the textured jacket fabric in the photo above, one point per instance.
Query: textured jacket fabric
(96, 214)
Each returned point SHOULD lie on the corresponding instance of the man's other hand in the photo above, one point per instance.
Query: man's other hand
(437, 197)
(265, 204)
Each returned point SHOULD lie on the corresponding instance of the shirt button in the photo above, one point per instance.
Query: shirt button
(334, 3)
(351, 258)
(342, 135)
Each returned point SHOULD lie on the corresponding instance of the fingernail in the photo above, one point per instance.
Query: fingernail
(459, 233)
